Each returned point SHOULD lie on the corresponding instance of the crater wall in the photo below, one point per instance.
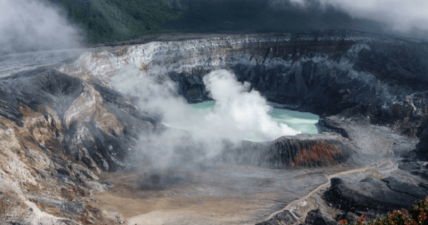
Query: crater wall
(321, 72)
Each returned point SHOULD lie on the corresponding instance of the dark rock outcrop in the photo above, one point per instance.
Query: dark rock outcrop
(372, 196)
(301, 151)
(415, 165)
(315, 217)
(285, 217)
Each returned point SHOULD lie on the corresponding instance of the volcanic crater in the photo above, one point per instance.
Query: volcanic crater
(75, 148)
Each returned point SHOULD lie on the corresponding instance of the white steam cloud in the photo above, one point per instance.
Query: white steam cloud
(239, 114)
(31, 25)
(398, 15)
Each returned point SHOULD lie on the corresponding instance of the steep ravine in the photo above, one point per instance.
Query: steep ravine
(63, 123)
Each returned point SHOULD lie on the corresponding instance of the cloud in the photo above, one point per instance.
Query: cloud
(29, 25)
(397, 15)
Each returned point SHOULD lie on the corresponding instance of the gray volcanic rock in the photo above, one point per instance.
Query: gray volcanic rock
(351, 217)
(71, 99)
(269, 222)
(284, 217)
(415, 165)
(15, 63)
(372, 196)
(327, 73)
(315, 217)
(299, 151)
(57, 133)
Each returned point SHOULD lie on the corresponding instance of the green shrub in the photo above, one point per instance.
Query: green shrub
(119, 20)
(417, 215)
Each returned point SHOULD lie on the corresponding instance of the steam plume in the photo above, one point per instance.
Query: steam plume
(239, 114)
(31, 25)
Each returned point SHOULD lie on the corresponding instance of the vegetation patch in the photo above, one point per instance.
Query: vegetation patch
(416, 215)
(119, 20)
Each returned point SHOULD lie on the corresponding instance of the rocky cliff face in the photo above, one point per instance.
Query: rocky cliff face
(325, 72)
(57, 133)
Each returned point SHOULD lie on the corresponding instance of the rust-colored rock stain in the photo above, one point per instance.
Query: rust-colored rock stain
(323, 153)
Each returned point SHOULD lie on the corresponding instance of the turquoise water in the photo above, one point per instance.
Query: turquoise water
(300, 121)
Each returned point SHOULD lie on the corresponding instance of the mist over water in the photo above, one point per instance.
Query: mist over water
(240, 114)
(299, 121)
